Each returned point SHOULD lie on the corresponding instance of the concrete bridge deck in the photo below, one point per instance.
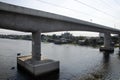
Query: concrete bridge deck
(30, 20)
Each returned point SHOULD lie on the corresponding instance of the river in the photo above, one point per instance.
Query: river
(76, 62)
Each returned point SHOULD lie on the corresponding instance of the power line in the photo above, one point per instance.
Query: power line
(74, 10)
(108, 5)
(67, 8)
(117, 2)
(64, 7)
(95, 8)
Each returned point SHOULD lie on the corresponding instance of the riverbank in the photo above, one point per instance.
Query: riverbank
(67, 38)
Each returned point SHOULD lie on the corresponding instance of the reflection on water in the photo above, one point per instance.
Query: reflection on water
(99, 72)
(107, 70)
(76, 62)
(106, 57)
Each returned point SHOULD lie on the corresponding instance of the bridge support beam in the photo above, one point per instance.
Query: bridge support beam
(36, 46)
(35, 64)
(107, 43)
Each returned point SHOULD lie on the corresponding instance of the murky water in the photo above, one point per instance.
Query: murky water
(76, 62)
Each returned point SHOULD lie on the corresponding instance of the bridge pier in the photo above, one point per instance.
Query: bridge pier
(119, 41)
(107, 43)
(119, 44)
(36, 49)
(35, 64)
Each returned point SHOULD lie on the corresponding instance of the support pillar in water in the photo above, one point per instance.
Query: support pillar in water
(107, 43)
(36, 46)
(35, 64)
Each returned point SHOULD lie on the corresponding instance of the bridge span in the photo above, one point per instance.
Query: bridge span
(29, 20)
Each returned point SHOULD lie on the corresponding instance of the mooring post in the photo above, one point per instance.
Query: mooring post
(36, 46)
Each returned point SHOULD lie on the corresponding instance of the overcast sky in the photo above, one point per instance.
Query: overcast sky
(105, 12)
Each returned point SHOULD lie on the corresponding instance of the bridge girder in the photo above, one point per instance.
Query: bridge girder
(29, 20)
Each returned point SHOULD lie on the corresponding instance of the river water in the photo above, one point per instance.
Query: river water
(76, 62)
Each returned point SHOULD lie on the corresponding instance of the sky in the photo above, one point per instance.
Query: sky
(104, 12)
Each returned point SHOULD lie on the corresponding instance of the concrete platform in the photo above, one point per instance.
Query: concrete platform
(104, 49)
(38, 68)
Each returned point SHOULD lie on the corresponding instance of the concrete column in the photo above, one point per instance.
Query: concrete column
(107, 43)
(36, 46)
(107, 40)
(119, 41)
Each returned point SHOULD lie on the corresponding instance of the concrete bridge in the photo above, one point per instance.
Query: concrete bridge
(29, 20)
